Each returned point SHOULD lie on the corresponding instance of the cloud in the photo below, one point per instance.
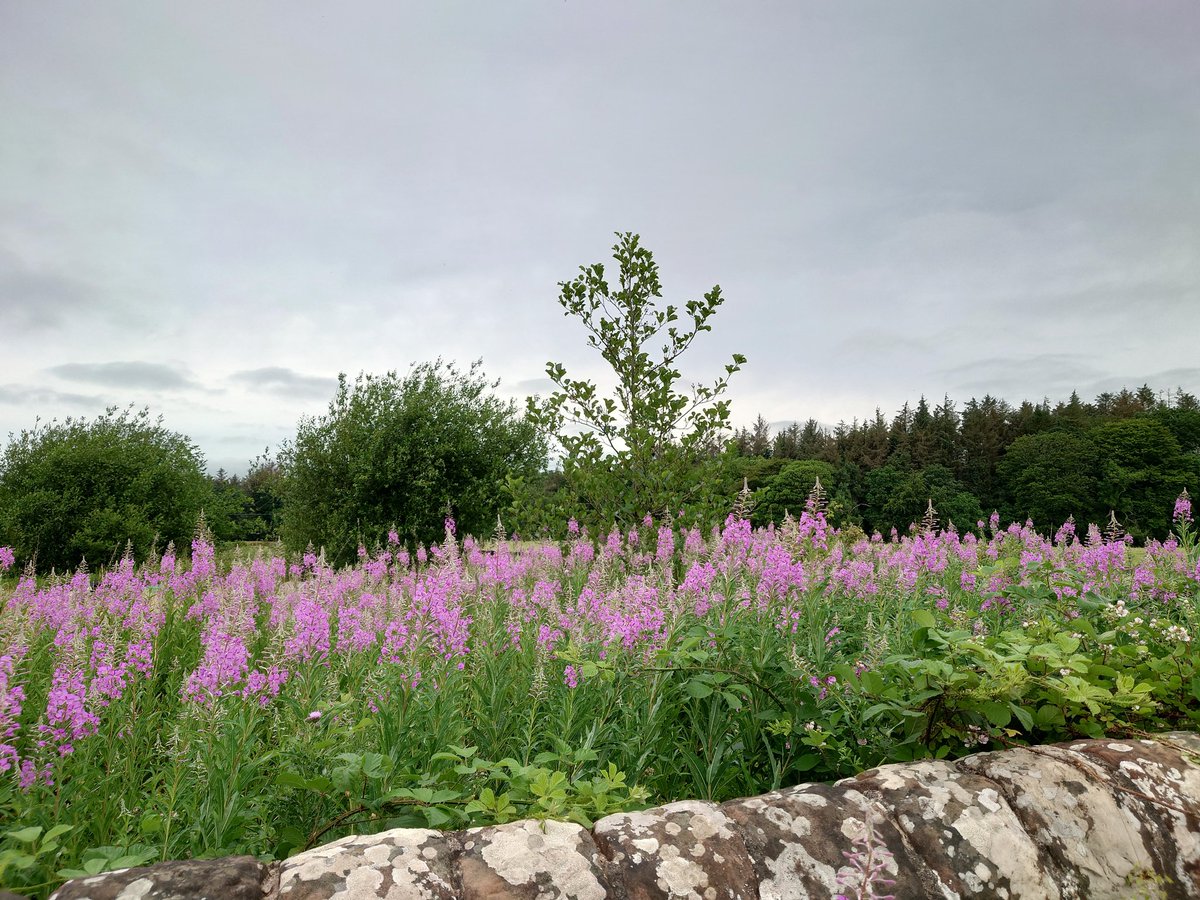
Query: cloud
(1165, 381)
(26, 394)
(947, 202)
(31, 298)
(285, 382)
(129, 374)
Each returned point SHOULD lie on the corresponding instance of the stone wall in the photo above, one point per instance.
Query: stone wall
(1089, 819)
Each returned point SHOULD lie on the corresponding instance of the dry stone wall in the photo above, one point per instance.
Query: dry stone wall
(1090, 819)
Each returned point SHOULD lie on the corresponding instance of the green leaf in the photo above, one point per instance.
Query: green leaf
(25, 835)
(999, 714)
(807, 762)
(698, 689)
(876, 710)
(1023, 716)
(20, 860)
(924, 618)
(58, 831)
(150, 824)
(291, 837)
(1048, 715)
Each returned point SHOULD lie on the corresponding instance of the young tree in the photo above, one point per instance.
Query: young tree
(404, 452)
(637, 452)
(80, 488)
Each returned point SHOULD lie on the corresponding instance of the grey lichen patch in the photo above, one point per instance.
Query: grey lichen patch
(688, 849)
(963, 837)
(136, 890)
(401, 863)
(536, 860)
(1084, 837)
(1185, 740)
(797, 840)
(1158, 787)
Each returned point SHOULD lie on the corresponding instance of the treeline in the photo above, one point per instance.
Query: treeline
(1128, 453)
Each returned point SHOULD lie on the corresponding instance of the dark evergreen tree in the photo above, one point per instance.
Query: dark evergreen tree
(984, 435)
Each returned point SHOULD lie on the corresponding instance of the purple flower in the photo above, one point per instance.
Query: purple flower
(1183, 509)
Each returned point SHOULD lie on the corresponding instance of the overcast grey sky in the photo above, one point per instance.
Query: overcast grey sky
(213, 208)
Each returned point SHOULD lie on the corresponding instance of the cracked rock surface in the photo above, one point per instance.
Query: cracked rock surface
(1089, 819)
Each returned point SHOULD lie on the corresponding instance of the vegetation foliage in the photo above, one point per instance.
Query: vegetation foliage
(1126, 453)
(86, 488)
(175, 710)
(399, 454)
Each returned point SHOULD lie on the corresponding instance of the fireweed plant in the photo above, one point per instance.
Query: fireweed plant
(175, 709)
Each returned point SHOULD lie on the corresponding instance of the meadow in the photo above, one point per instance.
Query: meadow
(180, 708)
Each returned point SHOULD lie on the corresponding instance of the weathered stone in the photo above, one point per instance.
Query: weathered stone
(1088, 819)
(687, 849)
(531, 861)
(1081, 831)
(1157, 789)
(403, 862)
(232, 878)
(799, 838)
(962, 828)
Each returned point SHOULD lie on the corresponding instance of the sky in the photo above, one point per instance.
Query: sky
(212, 209)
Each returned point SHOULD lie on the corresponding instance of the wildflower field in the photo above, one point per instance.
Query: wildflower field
(174, 710)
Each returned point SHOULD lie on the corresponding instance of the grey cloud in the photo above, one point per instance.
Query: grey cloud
(1039, 365)
(937, 183)
(32, 298)
(129, 374)
(1056, 375)
(1168, 380)
(26, 394)
(1009, 378)
(285, 382)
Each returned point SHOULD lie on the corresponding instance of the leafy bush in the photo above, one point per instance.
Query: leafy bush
(403, 453)
(1052, 476)
(896, 497)
(79, 488)
(1144, 467)
(788, 491)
